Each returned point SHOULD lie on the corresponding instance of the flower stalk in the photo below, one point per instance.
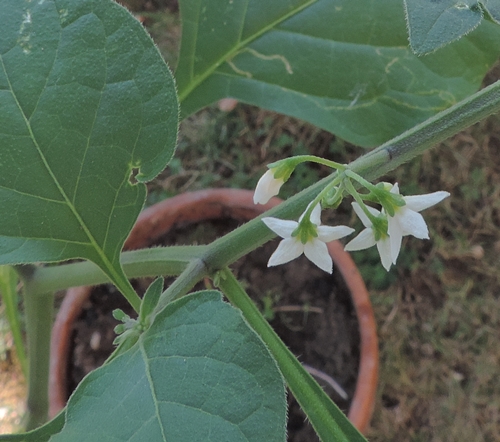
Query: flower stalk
(385, 228)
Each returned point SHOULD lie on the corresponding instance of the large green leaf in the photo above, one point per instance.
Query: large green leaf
(434, 24)
(85, 101)
(493, 9)
(200, 373)
(343, 65)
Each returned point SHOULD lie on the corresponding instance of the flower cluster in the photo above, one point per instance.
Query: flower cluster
(405, 221)
(384, 228)
(308, 237)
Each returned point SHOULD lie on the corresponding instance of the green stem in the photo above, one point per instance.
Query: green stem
(354, 193)
(436, 129)
(168, 261)
(8, 290)
(320, 196)
(296, 160)
(193, 273)
(123, 284)
(38, 309)
(327, 419)
(366, 184)
(370, 166)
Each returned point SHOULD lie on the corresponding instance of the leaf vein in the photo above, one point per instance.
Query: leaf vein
(61, 190)
(237, 48)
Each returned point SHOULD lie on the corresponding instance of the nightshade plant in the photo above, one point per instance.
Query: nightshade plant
(89, 113)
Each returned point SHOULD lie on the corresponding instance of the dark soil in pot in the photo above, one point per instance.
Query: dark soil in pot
(310, 310)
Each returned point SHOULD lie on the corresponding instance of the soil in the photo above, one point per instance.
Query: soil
(12, 395)
(309, 309)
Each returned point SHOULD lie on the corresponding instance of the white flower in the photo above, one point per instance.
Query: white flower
(407, 220)
(315, 248)
(267, 187)
(366, 238)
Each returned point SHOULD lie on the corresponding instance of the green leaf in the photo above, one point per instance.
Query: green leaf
(85, 101)
(198, 374)
(493, 9)
(433, 24)
(343, 65)
(150, 300)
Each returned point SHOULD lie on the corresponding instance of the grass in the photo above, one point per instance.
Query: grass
(439, 322)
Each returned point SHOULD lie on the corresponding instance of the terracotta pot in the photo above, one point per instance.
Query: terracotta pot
(212, 204)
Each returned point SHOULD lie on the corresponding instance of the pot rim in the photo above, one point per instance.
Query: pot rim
(192, 207)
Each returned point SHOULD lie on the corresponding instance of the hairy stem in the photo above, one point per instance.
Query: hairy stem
(328, 421)
(423, 136)
(8, 294)
(38, 308)
(193, 273)
(168, 261)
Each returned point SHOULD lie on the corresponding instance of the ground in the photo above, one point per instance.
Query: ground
(12, 394)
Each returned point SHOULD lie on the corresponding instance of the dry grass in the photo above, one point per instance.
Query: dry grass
(440, 322)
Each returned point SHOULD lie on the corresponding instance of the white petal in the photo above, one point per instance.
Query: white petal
(412, 223)
(384, 250)
(287, 250)
(317, 252)
(282, 227)
(329, 233)
(395, 188)
(422, 202)
(266, 188)
(315, 217)
(396, 236)
(363, 241)
(362, 215)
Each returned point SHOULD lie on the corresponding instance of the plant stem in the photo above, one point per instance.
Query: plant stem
(438, 128)
(169, 261)
(38, 308)
(123, 284)
(298, 159)
(8, 290)
(243, 240)
(193, 273)
(328, 421)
